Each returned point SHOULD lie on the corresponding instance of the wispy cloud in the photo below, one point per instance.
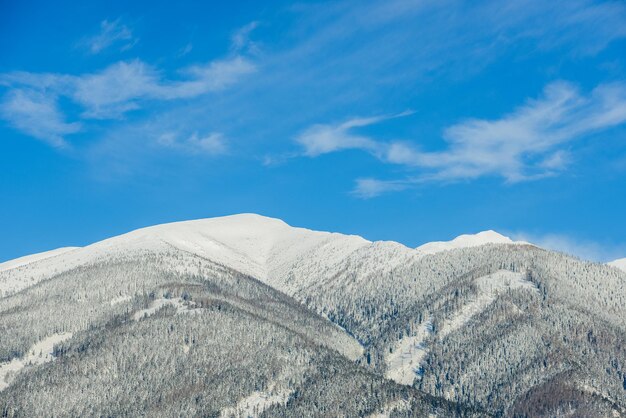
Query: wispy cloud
(37, 115)
(323, 139)
(366, 188)
(523, 145)
(338, 56)
(110, 93)
(202, 79)
(111, 33)
(241, 42)
(211, 144)
(450, 36)
(185, 50)
(601, 21)
(118, 88)
(115, 90)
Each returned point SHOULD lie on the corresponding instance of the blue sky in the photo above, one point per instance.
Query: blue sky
(401, 120)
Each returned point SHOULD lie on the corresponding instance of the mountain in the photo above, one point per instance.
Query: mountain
(620, 264)
(22, 261)
(254, 245)
(467, 241)
(246, 315)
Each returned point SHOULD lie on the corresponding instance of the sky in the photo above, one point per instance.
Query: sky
(403, 120)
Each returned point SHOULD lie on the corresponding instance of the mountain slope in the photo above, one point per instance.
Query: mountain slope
(251, 244)
(223, 341)
(481, 323)
(22, 261)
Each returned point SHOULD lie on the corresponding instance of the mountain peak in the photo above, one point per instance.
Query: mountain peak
(466, 240)
(251, 243)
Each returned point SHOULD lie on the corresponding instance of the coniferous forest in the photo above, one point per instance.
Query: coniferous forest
(145, 330)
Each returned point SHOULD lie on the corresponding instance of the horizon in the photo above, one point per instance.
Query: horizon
(405, 121)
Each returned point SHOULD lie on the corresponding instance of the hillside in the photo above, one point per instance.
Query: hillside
(248, 315)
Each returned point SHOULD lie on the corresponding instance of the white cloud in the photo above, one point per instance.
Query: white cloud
(323, 139)
(240, 41)
(368, 187)
(118, 88)
(110, 93)
(523, 145)
(115, 90)
(211, 144)
(37, 115)
(215, 75)
(111, 33)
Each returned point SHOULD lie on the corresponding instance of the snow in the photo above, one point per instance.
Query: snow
(592, 390)
(287, 258)
(40, 353)
(466, 241)
(120, 299)
(620, 264)
(20, 273)
(404, 362)
(319, 271)
(178, 303)
(352, 350)
(399, 405)
(22, 261)
(251, 244)
(254, 404)
(488, 288)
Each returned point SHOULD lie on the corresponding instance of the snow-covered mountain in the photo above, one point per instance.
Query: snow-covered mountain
(22, 261)
(619, 263)
(262, 247)
(467, 241)
(286, 321)
(252, 244)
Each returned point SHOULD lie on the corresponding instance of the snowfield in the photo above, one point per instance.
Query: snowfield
(178, 303)
(120, 299)
(254, 404)
(39, 353)
(403, 363)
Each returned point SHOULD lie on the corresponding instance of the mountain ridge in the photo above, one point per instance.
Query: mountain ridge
(491, 327)
(262, 247)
